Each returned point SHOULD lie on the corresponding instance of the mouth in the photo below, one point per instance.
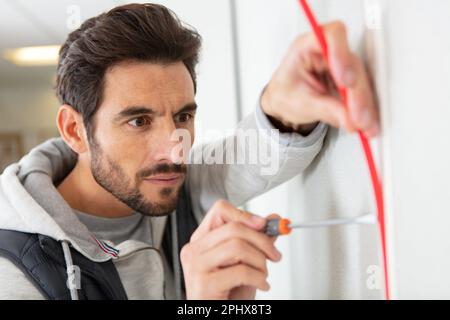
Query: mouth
(164, 179)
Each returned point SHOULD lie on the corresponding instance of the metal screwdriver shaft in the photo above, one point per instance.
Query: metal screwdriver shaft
(364, 219)
(279, 226)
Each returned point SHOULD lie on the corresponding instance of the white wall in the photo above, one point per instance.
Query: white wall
(416, 149)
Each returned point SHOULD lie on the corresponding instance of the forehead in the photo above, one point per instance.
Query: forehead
(147, 84)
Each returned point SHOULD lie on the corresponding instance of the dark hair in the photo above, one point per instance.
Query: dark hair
(142, 32)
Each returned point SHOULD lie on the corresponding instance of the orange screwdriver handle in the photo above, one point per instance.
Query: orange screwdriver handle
(278, 226)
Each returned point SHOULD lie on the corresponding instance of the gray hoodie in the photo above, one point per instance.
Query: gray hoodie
(29, 202)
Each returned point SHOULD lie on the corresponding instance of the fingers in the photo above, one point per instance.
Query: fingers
(236, 230)
(361, 103)
(339, 54)
(230, 253)
(239, 275)
(221, 261)
(227, 251)
(223, 212)
(348, 72)
(331, 110)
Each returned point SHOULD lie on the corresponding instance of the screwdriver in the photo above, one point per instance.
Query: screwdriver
(282, 226)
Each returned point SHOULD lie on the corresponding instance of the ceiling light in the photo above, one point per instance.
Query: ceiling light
(33, 56)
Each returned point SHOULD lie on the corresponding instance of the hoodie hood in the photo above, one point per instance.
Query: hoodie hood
(29, 201)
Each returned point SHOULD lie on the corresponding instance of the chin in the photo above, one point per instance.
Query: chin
(163, 195)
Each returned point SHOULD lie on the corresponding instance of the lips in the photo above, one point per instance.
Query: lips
(165, 179)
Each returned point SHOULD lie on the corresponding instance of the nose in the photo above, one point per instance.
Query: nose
(167, 146)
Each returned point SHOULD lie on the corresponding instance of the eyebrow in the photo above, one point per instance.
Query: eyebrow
(142, 110)
(189, 107)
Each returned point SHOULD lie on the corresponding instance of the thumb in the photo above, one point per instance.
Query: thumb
(331, 111)
(223, 212)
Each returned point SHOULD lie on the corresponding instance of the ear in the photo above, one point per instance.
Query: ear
(71, 127)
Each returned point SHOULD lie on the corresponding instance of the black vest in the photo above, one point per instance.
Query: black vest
(41, 259)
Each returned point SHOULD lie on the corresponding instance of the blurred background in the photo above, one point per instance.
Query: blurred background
(243, 42)
(30, 35)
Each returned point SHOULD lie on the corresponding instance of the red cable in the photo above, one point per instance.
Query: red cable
(376, 184)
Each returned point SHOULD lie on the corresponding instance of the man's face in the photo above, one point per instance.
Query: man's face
(131, 148)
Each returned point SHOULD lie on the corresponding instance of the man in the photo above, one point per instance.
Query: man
(109, 212)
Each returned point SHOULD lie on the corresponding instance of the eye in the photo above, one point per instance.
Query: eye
(140, 122)
(184, 117)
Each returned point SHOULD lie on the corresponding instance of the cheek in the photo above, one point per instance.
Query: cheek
(128, 154)
(131, 156)
(127, 149)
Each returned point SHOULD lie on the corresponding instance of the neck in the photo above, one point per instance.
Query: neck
(80, 190)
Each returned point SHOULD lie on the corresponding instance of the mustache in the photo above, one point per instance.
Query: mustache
(162, 168)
